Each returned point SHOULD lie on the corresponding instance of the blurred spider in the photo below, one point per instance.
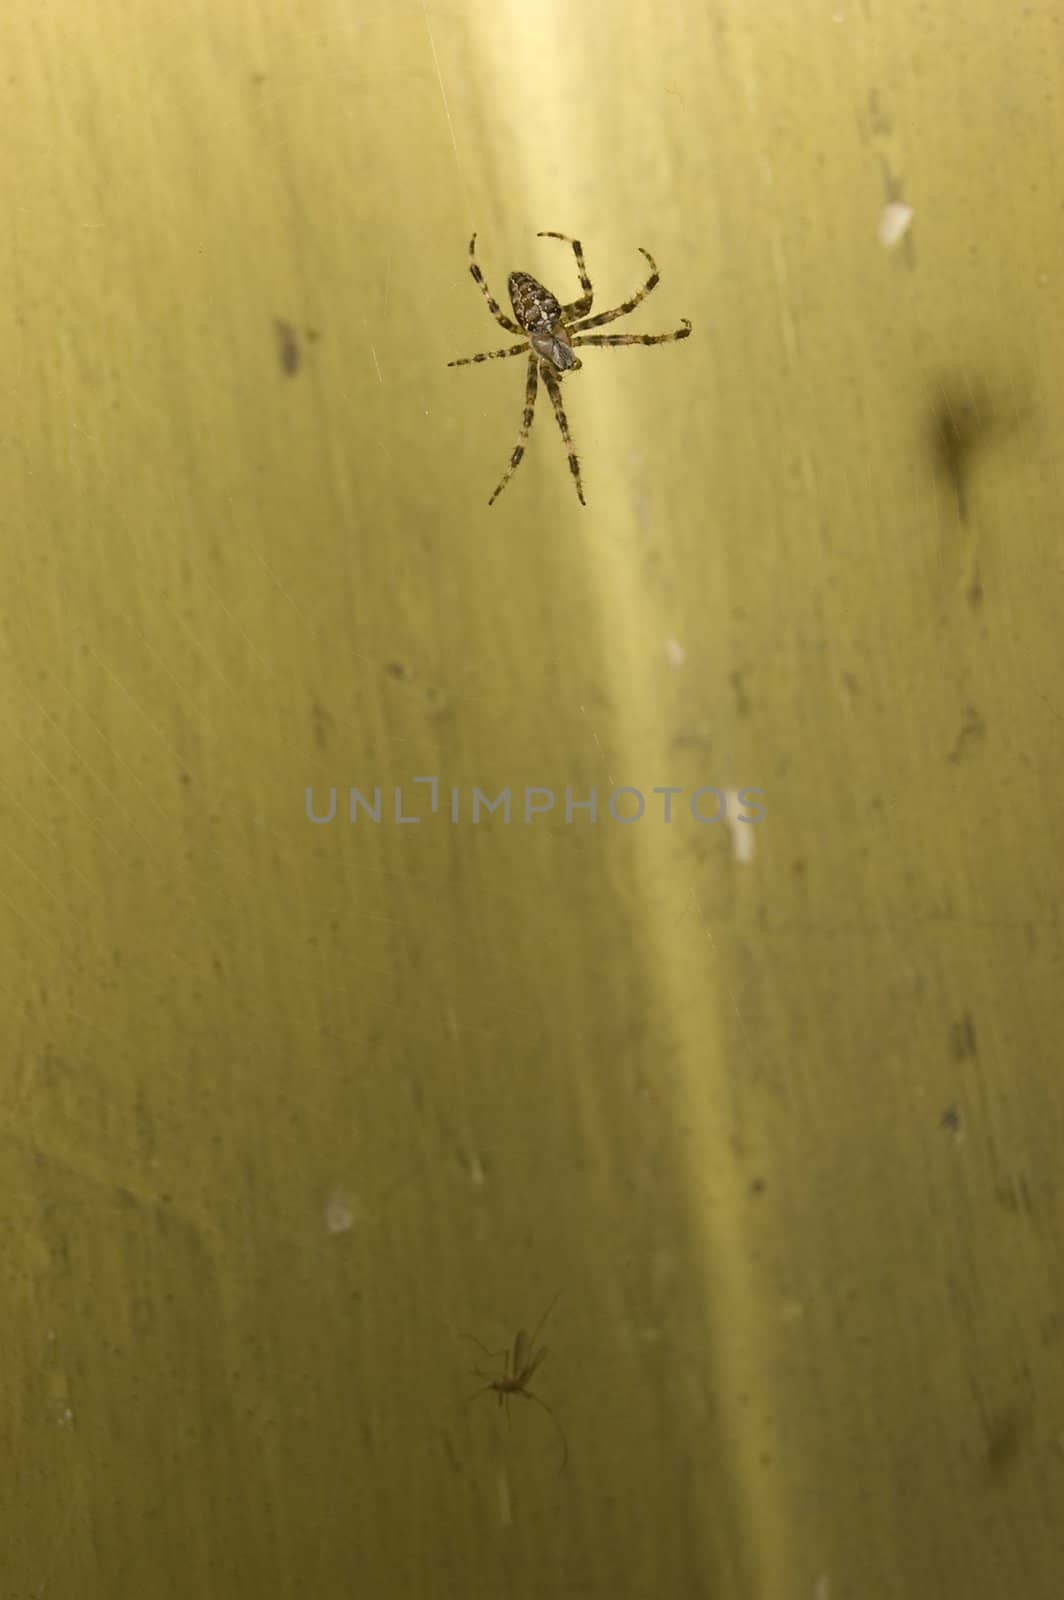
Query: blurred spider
(519, 1367)
(552, 332)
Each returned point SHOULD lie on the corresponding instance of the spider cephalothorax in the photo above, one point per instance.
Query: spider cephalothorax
(551, 331)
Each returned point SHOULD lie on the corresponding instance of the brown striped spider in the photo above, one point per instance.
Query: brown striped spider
(519, 1367)
(551, 334)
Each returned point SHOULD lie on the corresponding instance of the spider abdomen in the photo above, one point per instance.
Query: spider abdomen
(540, 315)
(534, 306)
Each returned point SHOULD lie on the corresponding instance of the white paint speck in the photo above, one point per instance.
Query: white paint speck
(894, 222)
(742, 833)
(342, 1210)
(675, 654)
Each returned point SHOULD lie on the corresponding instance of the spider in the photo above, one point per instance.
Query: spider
(551, 333)
(519, 1367)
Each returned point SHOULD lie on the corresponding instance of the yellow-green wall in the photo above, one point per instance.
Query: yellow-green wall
(287, 1111)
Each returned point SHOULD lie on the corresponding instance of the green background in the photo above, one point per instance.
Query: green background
(287, 1111)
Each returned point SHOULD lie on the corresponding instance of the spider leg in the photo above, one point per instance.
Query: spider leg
(545, 1407)
(529, 1368)
(531, 387)
(555, 393)
(491, 355)
(633, 338)
(477, 1393)
(492, 1355)
(493, 304)
(541, 1324)
(581, 307)
(629, 305)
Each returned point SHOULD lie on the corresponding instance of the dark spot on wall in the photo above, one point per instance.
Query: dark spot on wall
(322, 724)
(962, 1039)
(877, 119)
(395, 669)
(1051, 1330)
(288, 352)
(438, 701)
(972, 732)
(958, 429)
(950, 1121)
(757, 1186)
(742, 699)
(1004, 1441)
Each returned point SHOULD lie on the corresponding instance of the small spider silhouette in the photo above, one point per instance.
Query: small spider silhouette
(519, 1368)
(551, 334)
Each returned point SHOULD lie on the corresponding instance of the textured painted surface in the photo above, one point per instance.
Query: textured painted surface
(287, 1109)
